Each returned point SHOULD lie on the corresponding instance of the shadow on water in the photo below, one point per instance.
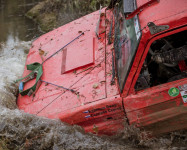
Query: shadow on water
(19, 130)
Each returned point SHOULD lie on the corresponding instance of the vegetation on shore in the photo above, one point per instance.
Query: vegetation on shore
(50, 14)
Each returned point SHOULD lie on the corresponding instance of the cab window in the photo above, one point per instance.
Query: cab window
(166, 61)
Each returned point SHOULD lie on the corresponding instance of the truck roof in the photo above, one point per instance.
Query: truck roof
(165, 12)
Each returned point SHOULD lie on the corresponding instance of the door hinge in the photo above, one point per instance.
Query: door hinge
(156, 29)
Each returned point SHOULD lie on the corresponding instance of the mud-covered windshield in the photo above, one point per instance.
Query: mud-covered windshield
(127, 36)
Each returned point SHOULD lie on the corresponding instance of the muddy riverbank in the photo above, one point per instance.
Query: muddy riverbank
(50, 14)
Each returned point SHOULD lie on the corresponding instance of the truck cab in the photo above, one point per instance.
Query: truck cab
(154, 67)
(128, 66)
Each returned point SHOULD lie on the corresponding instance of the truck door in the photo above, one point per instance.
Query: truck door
(159, 98)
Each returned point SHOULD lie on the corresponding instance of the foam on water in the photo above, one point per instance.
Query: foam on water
(12, 59)
(19, 130)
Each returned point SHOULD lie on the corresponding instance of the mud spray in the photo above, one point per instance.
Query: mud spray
(19, 130)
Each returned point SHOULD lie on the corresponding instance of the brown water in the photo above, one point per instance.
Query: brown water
(13, 24)
(19, 130)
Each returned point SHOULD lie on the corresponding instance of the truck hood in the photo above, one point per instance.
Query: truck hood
(84, 66)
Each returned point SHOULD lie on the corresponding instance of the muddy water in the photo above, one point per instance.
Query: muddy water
(19, 130)
(13, 24)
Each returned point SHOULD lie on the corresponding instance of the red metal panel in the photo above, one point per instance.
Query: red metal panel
(79, 54)
(107, 116)
(165, 12)
(90, 80)
(141, 8)
(82, 79)
(155, 105)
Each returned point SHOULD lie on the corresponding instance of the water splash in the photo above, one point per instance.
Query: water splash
(19, 130)
(12, 58)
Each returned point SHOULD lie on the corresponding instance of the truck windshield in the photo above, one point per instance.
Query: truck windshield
(127, 37)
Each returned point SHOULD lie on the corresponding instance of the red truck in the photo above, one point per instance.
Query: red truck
(124, 63)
